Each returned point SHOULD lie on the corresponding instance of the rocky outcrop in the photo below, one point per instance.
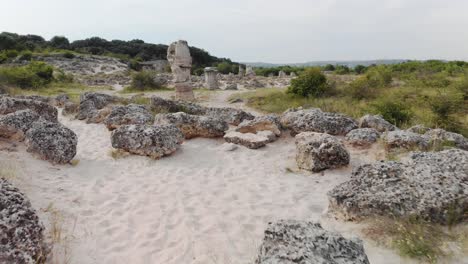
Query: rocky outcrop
(261, 123)
(128, 115)
(193, 125)
(51, 141)
(161, 105)
(15, 125)
(61, 99)
(318, 151)
(432, 185)
(377, 122)
(40, 98)
(441, 137)
(362, 137)
(44, 110)
(314, 120)
(147, 140)
(291, 242)
(91, 104)
(401, 139)
(178, 55)
(418, 129)
(21, 233)
(250, 140)
(211, 78)
(231, 115)
(70, 108)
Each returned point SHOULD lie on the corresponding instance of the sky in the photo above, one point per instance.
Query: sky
(274, 31)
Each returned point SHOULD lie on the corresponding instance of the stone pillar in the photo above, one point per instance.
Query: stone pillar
(241, 71)
(211, 78)
(178, 55)
(249, 72)
(282, 74)
(292, 74)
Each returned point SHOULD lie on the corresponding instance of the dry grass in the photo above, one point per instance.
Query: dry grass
(58, 238)
(118, 153)
(8, 170)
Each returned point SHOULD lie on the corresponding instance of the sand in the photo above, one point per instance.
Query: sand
(201, 205)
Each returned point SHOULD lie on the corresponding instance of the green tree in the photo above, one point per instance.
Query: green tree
(311, 82)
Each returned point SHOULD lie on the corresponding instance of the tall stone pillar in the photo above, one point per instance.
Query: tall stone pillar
(241, 71)
(282, 74)
(178, 55)
(250, 72)
(211, 78)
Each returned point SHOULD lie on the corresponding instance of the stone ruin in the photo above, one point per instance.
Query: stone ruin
(178, 55)
(249, 72)
(241, 71)
(282, 74)
(211, 78)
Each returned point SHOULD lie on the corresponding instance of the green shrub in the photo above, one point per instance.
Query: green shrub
(3, 57)
(135, 65)
(26, 56)
(11, 54)
(33, 75)
(68, 55)
(368, 86)
(395, 112)
(329, 67)
(312, 82)
(198, 71)
(360, 69)
(144, 80)
(342, 69)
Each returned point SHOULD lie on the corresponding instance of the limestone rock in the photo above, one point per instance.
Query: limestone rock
(61, 99)
(250, 140)
(405, 140)
(15, 125)
(433, 185)
(231, 115)
(291, 242)
(161, 105)
(363, 136)
(51, 141)
(261, 123)
(147, 140)
(128, 115)
(193, 125)
(314, 120)
(91, 103)
(440, 136)
(44, 110)
(377, 122)
(178, 55)
(418, 129)
(21, 233)
(318, 151)
(70, 108)
(211, 78)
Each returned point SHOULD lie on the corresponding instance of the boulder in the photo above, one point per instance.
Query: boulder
(418, 129)
(128, 115)
(405, 140)
(363, 137)
(21, 233)
(61, 99)
(147, 140)
(442, 137)
(91, 103)
(161, 105)
(261, 123)
(318, 151)
(44, 110)
(231, 115)
(51, 141)
(193, 125)
(377, 122)
(250, 140)
(15, 125)
(70, 108)
(433, 185)
(291, 242)
(40, 98)
(314, 120)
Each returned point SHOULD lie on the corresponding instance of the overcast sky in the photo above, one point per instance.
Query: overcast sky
(260, 30)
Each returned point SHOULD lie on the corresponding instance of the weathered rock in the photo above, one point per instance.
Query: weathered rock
(61, 99)
(40, 98)
(178, 55)
(193, 125)
(211, 78)
(231, 86)
(147, 140)
(318, 151)
(161, 105)
(291, 242)
(314, 120)
(377, 122)
(250, 140)
(231, 115)
(70, 108)
(15, 125)
(442, 137)
(433, 185)
(405, 140)
(128, 115)
(261, 123)
(51, 141)
(418, 129)
(282, 74)
(91, 103)
(21, 233)
(11, 105)
(363, 136)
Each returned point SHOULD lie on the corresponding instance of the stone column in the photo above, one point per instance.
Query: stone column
(211, 78)
(282, 74)
(178, 55)
(241, 71)
(249, 71)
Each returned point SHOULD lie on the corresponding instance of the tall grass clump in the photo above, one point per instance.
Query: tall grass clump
(145, 80)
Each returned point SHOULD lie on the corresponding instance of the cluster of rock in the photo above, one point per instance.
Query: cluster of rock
(291, 241)
(432, 185)
(36, 123)
(21, 233)
(194, 125)
(93, 106)
(255, 133)
(131, 114)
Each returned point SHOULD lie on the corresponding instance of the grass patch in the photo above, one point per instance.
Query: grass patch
(118, 153)
(131, 89)
(416, 238)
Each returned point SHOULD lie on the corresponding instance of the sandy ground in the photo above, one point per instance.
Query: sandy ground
(200, 205)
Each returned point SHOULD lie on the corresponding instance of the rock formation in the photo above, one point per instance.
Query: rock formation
(21, 233)
(92, 104)
(432, 185)
(442, 137)
(178, 55)
(318, 151)
(147, 140)
(401, 139)
(15, 125)
(282, 74)
(261, 123)
(44, 110)
(128, 115)
(377, 122)
(301, 242)
(250, 140)
(193, 125)
(362, 137)
(211, 78)
(241, 71)
(249, 72)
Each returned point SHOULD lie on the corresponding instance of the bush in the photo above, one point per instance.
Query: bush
(395, 112)
(11, 54)
(342, 69)
(312, 82)
(360, 69)
(144, 80)
(33, 75)
(68, 55)
(329, 67)
(368, 86)
(25, 56)
(135, 65)
(3, 57)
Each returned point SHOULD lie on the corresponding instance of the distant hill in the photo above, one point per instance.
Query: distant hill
(350, 64)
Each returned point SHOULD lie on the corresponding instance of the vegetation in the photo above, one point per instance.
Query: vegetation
(311, 82)
(33, 75)
(144, 81)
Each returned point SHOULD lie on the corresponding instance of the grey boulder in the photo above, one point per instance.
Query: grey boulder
(261, 123)
(193, 125)
(442, 137)
(128, 115)
(362, 137)
(91, 105)
(250, 140)
(377, 122)
(44, 110)
(15, 125)
(401, 139)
